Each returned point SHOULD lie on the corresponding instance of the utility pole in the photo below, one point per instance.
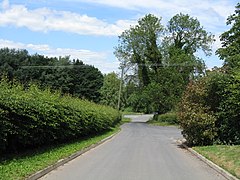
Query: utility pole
(120, 87)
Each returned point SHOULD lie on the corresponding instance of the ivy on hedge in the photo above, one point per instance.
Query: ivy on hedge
(32, 117)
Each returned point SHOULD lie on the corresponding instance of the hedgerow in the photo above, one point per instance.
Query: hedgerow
(169, 117)
(32, 117)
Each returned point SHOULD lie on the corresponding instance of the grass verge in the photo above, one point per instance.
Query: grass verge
(17, 167)
(125, 120)
(158, 123)
(227, 157)
(131, 113)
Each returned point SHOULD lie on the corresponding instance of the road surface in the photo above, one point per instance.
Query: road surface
(139, 152)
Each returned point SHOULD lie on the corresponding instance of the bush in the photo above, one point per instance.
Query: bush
(170, 117)
(210, 111)
(196, 118)
(34, 117)
(228, 113)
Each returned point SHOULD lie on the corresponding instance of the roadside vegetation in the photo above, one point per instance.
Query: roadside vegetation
(225, 156)
(209, 110)
(31, 117)
(167, 119)
(20, 166)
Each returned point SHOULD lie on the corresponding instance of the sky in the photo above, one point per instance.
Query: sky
(88, 29)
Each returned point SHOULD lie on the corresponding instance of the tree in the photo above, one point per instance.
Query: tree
(186, 33)
(110, 89)
(186, 37)
(11, 60)
(138, 47)
(229, 52)
(86, 81)
(61, 73)
(163, 68)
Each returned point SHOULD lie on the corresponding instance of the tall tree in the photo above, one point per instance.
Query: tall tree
(185, 37)
(229, 52)
(186, 33)
(163, 67)
(138, 46)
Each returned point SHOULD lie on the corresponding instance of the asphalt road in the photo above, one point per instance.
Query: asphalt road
(139, 152)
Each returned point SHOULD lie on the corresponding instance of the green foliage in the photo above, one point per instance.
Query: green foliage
(162, 64)
(138, 46)
(186, 33)
(110, 89)
(211, 104)
(169, 117)
(229, 110)
(228, 93)
(71, 77)
(20, 166)
(33, 117)
(229, 52)
(195, 117)
(140, 101)
(86, 81)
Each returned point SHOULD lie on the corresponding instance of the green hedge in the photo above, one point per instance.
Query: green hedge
(33, 117)
(170, 117)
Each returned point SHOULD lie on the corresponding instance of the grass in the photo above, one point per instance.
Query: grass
(131, 113)
(225, 156)
(160, 123)
(125, 120)
(167, 119)
(17, 167)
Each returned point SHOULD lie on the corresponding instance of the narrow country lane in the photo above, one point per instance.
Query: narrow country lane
(139, 152)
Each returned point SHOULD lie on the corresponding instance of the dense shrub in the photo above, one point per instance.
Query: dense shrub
(170, 117)
(228, 114)
(196, 118)
(210, 110)
(33, 117)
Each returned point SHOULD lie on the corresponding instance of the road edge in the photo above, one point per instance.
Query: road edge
(214, 166)
(61, 162)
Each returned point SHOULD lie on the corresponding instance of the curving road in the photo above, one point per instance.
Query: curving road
(139, 152)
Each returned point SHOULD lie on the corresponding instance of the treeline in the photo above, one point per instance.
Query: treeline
(71, 77)
(30, 118)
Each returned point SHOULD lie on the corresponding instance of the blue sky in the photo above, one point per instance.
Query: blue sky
(89, 29)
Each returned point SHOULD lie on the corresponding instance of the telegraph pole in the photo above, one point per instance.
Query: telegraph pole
(120, 87)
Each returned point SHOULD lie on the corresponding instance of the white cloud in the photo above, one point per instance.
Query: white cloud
(210, 13)
(5, 4)
(222, 7)
(100, 60)
(44, 19)
(203, 10)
